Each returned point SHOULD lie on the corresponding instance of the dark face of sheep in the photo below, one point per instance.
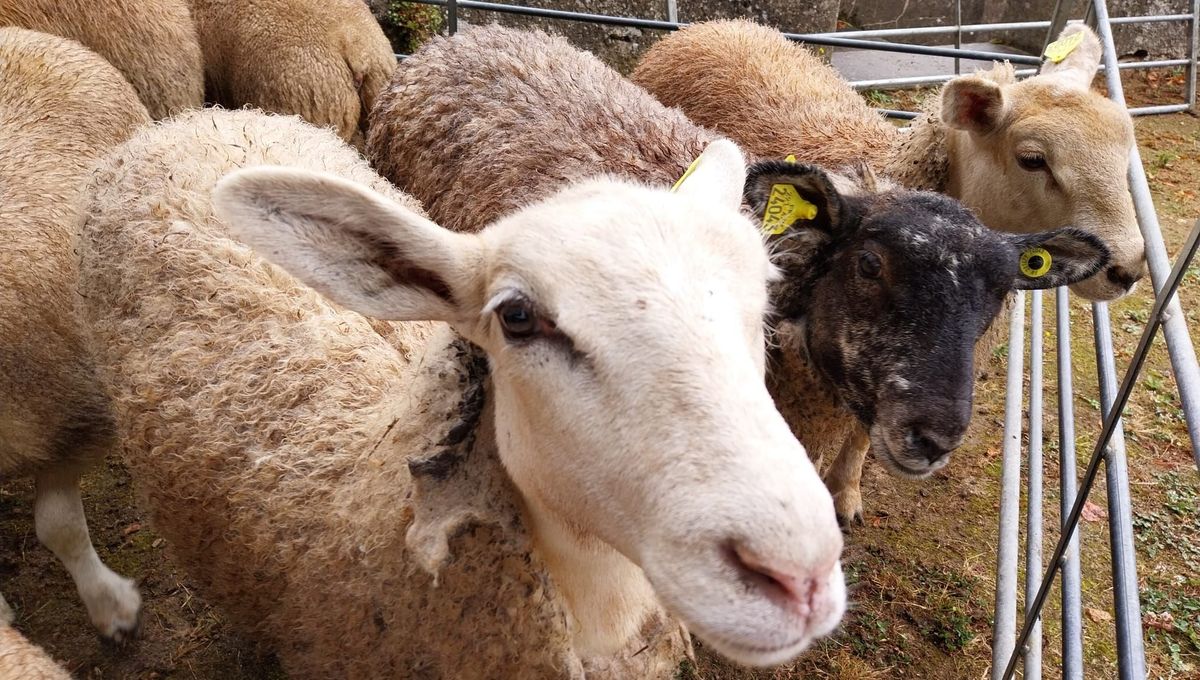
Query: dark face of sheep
(892, 290)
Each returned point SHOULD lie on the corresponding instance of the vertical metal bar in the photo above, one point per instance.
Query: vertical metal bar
(957, 34)
(1033, 504)
(452, 16)
(1058, 19)
(1004, 627)
(1179, 342)
(673, 11)
(1193, 39)
(1131, 652)
(1072, 620)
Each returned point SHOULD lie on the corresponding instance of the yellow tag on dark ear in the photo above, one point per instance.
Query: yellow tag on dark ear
(785, 207)
(691, 168)
(1035, 262)
(1061, 48)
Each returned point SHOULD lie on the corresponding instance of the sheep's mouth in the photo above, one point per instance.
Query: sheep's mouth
(895, 465)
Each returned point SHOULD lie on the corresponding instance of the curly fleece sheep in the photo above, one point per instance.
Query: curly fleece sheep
(22, 660)
(326, 489)
(477, 124)
(152, 43)
(324, 60)
(61, 108)
(1026, 156)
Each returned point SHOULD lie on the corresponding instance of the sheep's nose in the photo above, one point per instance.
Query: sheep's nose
(1123, 277)
(932, 443)
(797, 588)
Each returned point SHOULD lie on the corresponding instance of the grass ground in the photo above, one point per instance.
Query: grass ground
(921, 568)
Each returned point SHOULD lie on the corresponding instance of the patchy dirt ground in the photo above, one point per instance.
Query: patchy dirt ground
(921, 569)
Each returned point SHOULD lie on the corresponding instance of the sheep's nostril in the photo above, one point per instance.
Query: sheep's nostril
(930, 444)
(1123, 277)
(775, 581)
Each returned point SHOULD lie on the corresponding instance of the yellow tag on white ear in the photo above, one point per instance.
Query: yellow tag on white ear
(1035, 262)
(690, 169)
(1059, 49)
(785, 206)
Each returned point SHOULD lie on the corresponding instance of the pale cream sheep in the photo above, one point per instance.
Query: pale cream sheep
(1027, 156)
(61, 108)
(319, 474)
(20, 659)
(152, 43)
(324, 60)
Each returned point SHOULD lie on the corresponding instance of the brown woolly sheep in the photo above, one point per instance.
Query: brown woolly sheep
(20, 659)
(1027, 156)
(152, 43)
(61, 108)
(479, 124)
(328, 489)
(324, 60)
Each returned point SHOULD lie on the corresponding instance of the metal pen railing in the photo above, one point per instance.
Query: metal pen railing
(1009, 647)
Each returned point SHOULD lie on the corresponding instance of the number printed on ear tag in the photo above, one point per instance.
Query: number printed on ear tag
(1060, 49)
(1035, 262)
(785, 206)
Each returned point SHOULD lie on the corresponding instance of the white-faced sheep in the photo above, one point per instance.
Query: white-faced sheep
(152, 43)
(324, 60)
(1027, 156)
(23, 660)
(882, 292)
(319, 482)
(61, 108)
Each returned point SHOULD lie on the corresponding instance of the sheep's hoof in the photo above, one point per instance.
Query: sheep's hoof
(116, 610)
(848, 505)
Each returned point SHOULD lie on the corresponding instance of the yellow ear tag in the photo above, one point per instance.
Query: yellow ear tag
(785, 207)
(686, 173)
(1035, 262)
(1059, 49)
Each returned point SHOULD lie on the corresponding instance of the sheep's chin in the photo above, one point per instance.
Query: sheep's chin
(744, 626)
(883, 452)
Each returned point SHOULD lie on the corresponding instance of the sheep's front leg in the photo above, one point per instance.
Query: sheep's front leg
(112, 601)
(843, 477)
(7, 615)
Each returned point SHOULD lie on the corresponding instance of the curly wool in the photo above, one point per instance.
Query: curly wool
(62, 108)
(323, 60)
(153, 44)
(20, 658)
(306, 465)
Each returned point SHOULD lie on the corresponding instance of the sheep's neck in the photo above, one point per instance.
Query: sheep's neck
(608, 597)
(920, 158)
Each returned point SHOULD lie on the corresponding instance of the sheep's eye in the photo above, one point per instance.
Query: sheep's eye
(869, 265)
(1032, 161)
(517, 319)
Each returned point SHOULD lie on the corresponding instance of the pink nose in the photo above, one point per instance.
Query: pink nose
(797, 589)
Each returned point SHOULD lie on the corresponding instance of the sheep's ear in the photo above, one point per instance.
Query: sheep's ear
(717, 174)
(790, 196)
(1055, 258)
(1078, 53)
(352, 245)
(973, 103)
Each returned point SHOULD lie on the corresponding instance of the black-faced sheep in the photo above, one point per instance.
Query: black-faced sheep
(312, 470)
(883, 291)
(152, 43)
(1027, 156)
(61, 108)
(324, 60)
